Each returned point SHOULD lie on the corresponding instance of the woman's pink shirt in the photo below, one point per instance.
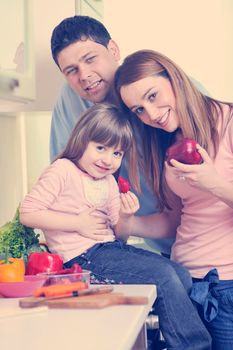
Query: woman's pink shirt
(204, 238)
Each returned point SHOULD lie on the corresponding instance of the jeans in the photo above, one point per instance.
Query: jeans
(215, 306)
(117, 262)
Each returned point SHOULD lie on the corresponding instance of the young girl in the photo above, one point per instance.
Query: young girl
(76, 202)
(169, 106)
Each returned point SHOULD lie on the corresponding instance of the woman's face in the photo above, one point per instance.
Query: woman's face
(153, 101)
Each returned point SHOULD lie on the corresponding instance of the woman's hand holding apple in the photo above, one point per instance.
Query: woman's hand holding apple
(203, 176)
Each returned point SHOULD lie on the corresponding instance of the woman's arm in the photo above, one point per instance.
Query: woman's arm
(157, 225)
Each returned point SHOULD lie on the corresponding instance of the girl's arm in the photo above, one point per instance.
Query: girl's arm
(49, 220)
(85, 224)
(157, 225)
(36, 208)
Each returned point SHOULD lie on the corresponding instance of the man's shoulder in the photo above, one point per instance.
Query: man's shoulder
(69, 106)
(67, 110)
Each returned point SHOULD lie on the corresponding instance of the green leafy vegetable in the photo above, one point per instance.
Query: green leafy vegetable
(20, 240)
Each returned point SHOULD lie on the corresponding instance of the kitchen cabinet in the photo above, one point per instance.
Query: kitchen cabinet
(92, 8)
(17, 81)
(24, 154)
(13, 184)
(25, 122)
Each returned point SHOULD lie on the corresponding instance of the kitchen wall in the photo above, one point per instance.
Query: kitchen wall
(196, 34)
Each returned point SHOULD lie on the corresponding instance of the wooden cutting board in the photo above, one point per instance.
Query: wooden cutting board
(90, 301)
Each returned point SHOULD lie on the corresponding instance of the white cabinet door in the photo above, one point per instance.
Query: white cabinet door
(13, 184)
(92, 8)
(17, 81)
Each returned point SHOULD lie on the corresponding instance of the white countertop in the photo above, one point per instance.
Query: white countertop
(111, 328)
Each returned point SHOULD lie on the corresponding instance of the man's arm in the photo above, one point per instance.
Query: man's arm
(68, 108)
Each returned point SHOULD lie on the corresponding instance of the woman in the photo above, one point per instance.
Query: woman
(164, 99)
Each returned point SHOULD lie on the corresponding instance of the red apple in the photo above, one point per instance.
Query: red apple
(184, 151)
(123, 184)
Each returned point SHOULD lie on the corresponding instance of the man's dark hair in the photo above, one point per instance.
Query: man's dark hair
(77, 28)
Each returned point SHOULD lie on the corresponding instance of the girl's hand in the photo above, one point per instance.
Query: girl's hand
(129, 204)
(91, 226)
(203, 176)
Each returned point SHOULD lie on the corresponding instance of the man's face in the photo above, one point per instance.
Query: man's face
(89, 68)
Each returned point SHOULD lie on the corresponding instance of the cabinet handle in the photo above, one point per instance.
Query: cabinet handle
(8, 84)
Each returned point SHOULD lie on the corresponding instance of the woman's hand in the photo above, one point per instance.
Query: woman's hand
(91, 226)
(202, 176)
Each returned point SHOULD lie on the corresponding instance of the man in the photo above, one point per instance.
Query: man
(88, 57)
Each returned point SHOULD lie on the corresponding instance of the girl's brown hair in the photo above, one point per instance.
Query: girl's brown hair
(197, 113)
(105, 124)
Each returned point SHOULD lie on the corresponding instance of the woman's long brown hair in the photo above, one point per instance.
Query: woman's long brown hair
(197, 112)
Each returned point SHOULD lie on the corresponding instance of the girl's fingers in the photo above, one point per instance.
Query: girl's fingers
(124, 202)
(133, 197)
(96, 237)
(128, 200)
(102, 232)
(99, 235)
(102, 226)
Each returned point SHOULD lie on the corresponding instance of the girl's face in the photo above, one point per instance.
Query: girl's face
(99, 160)
(153, 101)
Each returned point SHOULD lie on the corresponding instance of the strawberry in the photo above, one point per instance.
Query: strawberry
(123, 184)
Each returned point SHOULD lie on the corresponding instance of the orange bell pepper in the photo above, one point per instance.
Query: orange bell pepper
(12, 270)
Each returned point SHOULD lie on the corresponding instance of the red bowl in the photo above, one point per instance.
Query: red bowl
(22, 289)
